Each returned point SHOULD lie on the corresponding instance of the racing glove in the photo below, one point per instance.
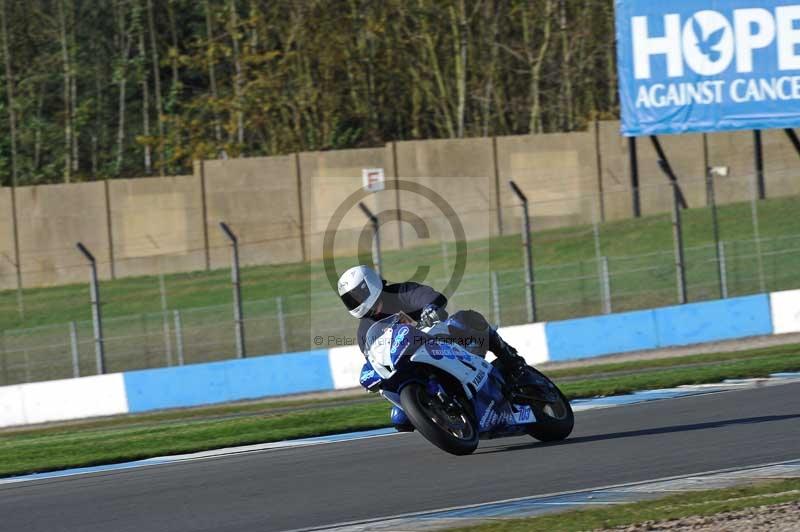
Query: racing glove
(432, 314)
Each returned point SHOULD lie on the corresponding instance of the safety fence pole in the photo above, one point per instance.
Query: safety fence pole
(97, 320)
(376, 240)
(178, 335)
(757, 239)
(281, 324)
(605, 285)
(526, 242)
(677, 232)
(238, 319)
(165, 318)
(758, 152)
(723, 270)
(495, 298)
(3, 362)
(712, 200)
(73, 343)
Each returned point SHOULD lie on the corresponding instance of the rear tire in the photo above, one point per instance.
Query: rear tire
(455, 433)
(554, 421)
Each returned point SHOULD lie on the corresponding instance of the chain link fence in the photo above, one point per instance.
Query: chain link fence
(587, 261)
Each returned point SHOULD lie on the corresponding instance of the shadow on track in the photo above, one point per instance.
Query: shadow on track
(644, 432)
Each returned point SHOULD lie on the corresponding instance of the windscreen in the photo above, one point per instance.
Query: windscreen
(377, 338)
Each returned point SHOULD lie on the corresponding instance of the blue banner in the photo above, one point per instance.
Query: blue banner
(708, 65)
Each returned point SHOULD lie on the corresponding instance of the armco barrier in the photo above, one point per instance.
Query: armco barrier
(231, 380)
(601, 335)
(713, 321)
(274, 375)
(695, 323)
(785, 310)
(40, 402)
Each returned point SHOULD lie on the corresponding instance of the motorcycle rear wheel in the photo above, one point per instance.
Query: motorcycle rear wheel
(554, 420)
(453, 431)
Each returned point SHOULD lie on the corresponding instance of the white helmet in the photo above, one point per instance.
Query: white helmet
(359, 288)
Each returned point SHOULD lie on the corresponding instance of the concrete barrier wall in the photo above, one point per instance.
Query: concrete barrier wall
(41, 402)
(339, 368)
(156, 225)
(258, 198)
(462, 173)
(695, 323)
(328, 179)
(281, 206)
(785, 311)
(50, 220)
(558, 171)
(232, 380)
(8, 272)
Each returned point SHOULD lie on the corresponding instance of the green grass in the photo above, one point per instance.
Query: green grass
(641, 264)
(694, 503)
(162, 433)
(595, 367)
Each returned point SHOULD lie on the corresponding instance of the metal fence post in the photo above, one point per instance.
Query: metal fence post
(73, 343)
(281, 324)
(3, 356)
(178, 336)
(97, 320)
(758, 153)
(445, 261)
(165, 318)
(376, 240)
(526, 242)
(605, 285)
(757, 237)
(712, 200)
(496, 298)
(723, 271)
(237, 291)
(602, 266)
(677, 232)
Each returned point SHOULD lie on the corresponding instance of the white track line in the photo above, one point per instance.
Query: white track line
(537, 505)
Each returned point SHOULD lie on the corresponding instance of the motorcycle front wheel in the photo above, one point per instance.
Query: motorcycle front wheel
(450, 427)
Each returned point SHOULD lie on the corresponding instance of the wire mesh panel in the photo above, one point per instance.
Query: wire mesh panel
(587, 260)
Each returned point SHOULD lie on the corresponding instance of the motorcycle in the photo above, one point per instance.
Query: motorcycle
(452, 395)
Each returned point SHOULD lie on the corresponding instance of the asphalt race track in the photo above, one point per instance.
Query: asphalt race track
(333, 483)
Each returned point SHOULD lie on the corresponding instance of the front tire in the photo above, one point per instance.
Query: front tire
(453, 431)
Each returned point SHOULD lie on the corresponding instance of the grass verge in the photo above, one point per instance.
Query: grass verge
(164, 433)
(696, 503)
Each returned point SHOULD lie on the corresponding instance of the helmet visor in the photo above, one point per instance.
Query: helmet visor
(356, 296)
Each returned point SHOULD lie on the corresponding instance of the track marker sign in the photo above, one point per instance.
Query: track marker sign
(708, 65)
(374, 179)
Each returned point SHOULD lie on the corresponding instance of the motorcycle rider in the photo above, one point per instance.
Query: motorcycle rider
(370, 298)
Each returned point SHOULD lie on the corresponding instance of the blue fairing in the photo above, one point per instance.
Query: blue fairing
(495, 416)
(369, 377)
(405, 340)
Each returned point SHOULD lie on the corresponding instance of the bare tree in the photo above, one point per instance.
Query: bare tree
(212, 76)
(237, 64)
(157, 82)
(123, 38)
(145, 83)
(65, 59)
(12, 117)
(536, 61)
(460, 36)
(566, 76)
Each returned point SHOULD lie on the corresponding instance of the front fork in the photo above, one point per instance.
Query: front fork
(451, 404)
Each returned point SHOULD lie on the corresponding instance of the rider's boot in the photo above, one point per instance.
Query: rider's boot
(401, 421)
(511, 364)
